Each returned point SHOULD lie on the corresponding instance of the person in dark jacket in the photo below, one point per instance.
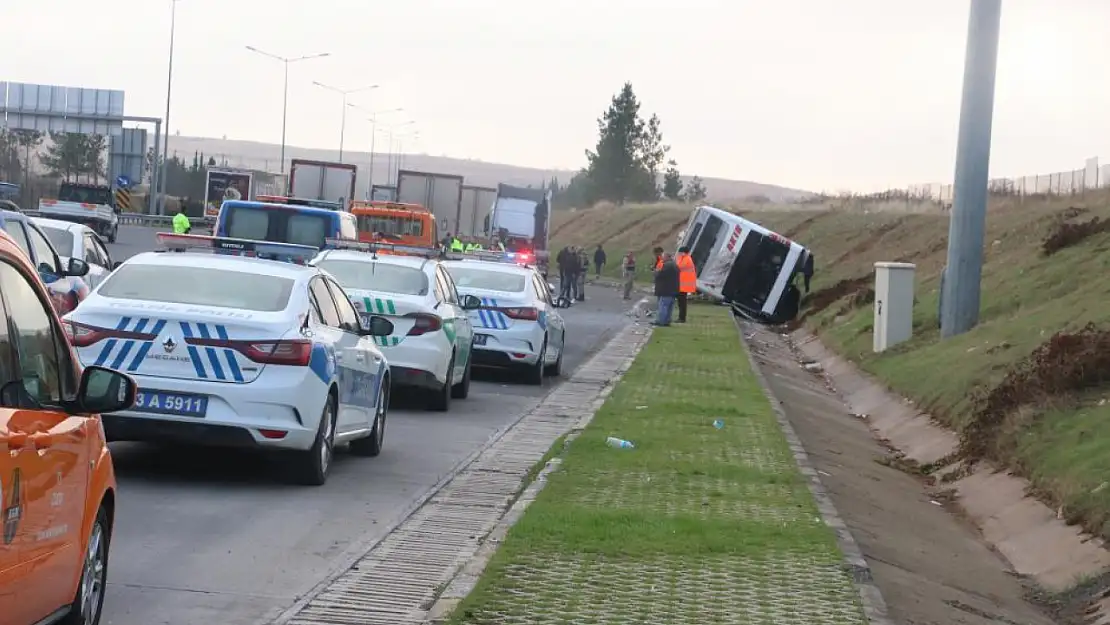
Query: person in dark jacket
(599, 260)
(666, 289)
(566, 261)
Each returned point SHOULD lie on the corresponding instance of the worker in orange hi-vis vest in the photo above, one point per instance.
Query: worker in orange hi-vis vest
(658, 264)
(687, 280)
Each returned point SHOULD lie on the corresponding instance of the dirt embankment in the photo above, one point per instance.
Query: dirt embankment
(1024, 388)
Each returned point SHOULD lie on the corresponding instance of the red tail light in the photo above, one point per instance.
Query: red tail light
(525, 314)
(81, 335)
(296, 352)
(425, 323)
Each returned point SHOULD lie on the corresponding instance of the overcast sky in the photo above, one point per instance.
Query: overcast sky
(817, 94)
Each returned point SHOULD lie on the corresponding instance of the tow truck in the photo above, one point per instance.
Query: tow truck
(89, 204)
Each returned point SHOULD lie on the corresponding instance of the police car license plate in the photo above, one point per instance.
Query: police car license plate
(480, 339)
(163, 402)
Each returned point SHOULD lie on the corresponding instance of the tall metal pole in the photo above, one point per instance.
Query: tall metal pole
(370, 172)
(342, 127)
(961, 291)
(284, 114)
(160, 198)
(343, 118)
(285, 97)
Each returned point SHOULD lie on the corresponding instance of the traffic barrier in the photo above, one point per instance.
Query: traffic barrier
(123, 199)
(146, 221)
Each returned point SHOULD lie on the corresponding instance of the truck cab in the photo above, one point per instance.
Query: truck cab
(521, 218)
(395, 222)
(89, 204)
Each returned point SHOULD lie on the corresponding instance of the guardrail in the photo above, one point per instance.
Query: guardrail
(159, 221)
(140, 219)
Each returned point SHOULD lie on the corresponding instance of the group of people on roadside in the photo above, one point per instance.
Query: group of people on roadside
(574, 264)
(676, 279)
(471, 244)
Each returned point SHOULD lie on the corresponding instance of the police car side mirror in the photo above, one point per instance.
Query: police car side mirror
(469, 302)
(103, 390)
(376, 326)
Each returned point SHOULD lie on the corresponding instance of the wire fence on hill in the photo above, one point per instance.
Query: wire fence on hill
(1077, 182)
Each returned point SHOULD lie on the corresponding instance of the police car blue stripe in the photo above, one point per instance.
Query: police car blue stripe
(213, 359)
(111, 344)
(499, 320)
(122, 355)
(232, 364)
(138, 359)
(482, 313)
(194, 355)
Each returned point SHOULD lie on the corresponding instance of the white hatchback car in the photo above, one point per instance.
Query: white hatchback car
(430, 347)
(73, 240)
(238, 352)
(517, 324)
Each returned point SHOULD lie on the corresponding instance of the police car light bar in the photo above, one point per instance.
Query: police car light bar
(373, 248)
(491, 256)
(291, 252)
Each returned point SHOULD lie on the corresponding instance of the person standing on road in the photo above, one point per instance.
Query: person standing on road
(181, 223)
(687, 280)
(599, 260)
(666, 289)
(583, 269)
(564, 261)
(628, 273)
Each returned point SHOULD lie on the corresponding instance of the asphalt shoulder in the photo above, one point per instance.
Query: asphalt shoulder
(929, 564)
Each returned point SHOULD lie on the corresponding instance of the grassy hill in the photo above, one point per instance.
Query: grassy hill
(267, 157)
(1029, 388)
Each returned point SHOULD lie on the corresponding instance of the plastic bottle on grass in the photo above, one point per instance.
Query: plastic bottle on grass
(619, 443)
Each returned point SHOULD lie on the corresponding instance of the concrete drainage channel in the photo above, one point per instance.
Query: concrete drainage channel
(398, 580)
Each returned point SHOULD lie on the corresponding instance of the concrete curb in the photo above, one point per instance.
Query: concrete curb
(467, 577)
(871, 599)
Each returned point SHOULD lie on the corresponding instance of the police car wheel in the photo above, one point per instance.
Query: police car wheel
(89, 601)
(462, 389)
(311, 466)
(555, 370)
(371, 446)
(535, 372)
(441, 401)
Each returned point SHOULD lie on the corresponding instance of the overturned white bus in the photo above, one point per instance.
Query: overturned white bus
(746, 265)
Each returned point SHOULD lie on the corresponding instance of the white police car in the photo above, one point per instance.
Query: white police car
(235, 351)
(517, 324)
(430, 346)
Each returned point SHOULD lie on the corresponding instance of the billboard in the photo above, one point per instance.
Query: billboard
(225, 184)
(52, 108)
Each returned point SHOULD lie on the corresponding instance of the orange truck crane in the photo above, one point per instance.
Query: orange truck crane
(395, 223)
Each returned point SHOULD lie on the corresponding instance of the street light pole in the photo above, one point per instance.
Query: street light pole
(160, 199)
(285, 96)
(962, 278)
(343, 118)
(373, 119)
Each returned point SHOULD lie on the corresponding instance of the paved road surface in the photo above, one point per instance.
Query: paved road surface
(205, 536)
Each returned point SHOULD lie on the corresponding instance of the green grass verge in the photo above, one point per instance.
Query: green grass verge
(696, 524)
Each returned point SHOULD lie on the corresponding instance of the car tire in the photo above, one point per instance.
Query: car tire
(462, 389)
(534, 374)
(112, 235)
(311, 467)
(556, 369)
(441, 401)
(371, 446)
(89, 600)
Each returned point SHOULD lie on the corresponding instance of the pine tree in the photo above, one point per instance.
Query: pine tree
(625, 164)
(672, 182)
(695, 191)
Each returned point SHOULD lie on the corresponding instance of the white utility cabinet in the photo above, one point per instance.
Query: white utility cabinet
(893, 304)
